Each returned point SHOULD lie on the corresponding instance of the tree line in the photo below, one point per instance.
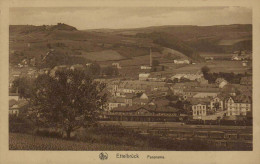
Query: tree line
(229, 77)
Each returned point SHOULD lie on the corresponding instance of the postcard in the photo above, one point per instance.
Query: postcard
(129, 81)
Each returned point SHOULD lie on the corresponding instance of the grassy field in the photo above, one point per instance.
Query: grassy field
(29, 142)
(215, 66)
(216, 55)
(178, 126)
(103, 55)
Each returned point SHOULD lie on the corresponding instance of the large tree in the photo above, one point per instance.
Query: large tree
(69, 99)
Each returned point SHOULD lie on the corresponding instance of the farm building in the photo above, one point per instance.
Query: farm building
(144, 76)
(184, 61)
(143, 67)
(116, 65)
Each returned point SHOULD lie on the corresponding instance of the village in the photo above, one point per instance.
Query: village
(178, 97)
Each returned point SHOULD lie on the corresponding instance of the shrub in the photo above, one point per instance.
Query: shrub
(49, 133)
(20, 125)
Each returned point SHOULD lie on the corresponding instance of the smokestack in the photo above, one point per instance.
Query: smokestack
(151, 58)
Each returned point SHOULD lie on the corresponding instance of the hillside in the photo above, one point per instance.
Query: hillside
(201, 38)
(27, 41)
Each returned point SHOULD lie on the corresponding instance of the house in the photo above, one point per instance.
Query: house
(236, 58)
(205, 94)
(122, 100)
(44, 71)
(13, 74)
(217, 104)
(202, 81)
(24, 62)
(77, 67)
(209, 58)
(199, 110)
(33, 61)
(243, 56)
(139, 86)
(239, 105)
(246, 80)
(58, 68)
(144, 67)
(181, 61)
(202, 111)
(118, 101)
(244, 63)
(144, 76)
(14, 110)
(116, 65)
(14, 96)
(142, 99)
(156, 79)
(179, 88)
(189, 76)
(88, 65)
(17, 107)
(221, 82)
(201, 92)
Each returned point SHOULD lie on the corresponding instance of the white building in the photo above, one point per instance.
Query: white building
(14, 96)
(217, 104)
(190, 76)
(143, 67)
(184, 61)
(221, 82)
(117, 65)
(199, 110)
(144, 76)
(238, 106)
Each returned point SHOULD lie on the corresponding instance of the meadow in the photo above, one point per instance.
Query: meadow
(18, 141)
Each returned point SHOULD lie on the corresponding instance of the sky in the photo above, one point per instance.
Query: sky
(129, 17)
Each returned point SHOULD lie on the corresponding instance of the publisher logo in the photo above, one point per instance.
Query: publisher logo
(103, 156)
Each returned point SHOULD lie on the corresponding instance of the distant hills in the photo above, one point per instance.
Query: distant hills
(27, 29)
(201, 38)
(27, 41)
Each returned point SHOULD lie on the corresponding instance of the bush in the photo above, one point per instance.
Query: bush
(20, 125)
(49, 133)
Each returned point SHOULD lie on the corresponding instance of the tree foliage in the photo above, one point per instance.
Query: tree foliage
(110, 71)
(24, 87)
(205, 70)
(69, 99)
(94, 69)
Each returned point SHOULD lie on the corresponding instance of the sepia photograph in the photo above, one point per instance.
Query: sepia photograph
(131, 79)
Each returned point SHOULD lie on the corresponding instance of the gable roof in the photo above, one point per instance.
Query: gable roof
(219, 80)
(12, 102)
(242, 98)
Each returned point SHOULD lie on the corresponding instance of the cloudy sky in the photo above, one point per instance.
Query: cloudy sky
(130, 17)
